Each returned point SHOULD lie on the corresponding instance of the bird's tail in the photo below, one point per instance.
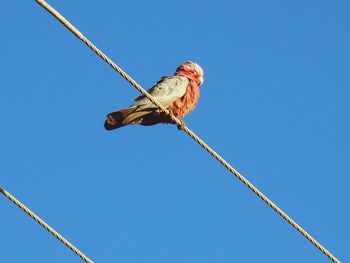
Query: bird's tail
(124, 117)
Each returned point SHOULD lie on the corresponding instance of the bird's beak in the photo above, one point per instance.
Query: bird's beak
(201, 80)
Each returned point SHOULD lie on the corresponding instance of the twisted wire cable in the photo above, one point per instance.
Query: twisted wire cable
(45, 225)
(183, 127)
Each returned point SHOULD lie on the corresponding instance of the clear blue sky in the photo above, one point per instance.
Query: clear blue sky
(275, 103)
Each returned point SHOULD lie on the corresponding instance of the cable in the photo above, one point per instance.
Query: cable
(181, 124)
(46, 226)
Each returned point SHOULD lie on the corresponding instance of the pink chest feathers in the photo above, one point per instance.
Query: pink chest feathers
(187, 102)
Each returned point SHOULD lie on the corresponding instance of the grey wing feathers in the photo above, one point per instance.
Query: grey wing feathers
(165, 91)
(151, 89)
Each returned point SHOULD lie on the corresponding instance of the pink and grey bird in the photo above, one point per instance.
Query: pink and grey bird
(178, 93)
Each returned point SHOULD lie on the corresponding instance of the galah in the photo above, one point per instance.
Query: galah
(178, 93)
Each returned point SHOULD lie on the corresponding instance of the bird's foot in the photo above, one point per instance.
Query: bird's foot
(181, 126)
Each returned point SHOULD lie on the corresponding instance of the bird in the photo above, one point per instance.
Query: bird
(178, 93)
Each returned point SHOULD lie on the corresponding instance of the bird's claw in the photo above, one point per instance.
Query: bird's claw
(181, 126)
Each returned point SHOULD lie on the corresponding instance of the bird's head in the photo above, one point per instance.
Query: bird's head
(192, 71)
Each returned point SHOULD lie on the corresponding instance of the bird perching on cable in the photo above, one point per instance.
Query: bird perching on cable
(178, 93)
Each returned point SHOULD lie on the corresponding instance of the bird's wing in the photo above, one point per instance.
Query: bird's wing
(165, 91)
